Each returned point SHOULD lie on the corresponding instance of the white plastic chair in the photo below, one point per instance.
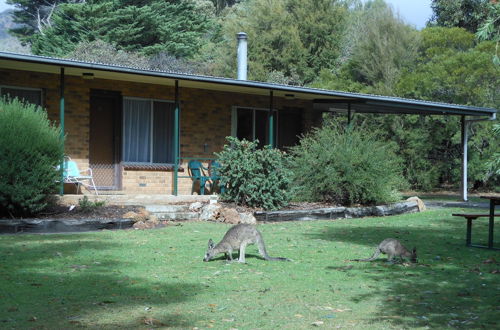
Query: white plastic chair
(72, 174)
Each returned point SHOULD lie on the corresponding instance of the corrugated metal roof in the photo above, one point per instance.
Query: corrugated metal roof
(324, 100)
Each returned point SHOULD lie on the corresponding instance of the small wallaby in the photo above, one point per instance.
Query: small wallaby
(238, 237)
(393, 248)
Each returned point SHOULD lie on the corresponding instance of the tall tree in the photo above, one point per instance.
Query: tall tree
(467, 14)
(33, 15)
(287, 38)
(376, 50)
(490, 29)
(149, 26)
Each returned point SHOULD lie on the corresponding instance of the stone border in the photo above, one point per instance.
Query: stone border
(339, 212)
(61, 225)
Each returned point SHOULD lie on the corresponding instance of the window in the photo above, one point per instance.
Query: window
(30, 95)
(252, 124)
(148, 131)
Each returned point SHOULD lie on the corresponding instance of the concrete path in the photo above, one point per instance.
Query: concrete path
(433, 204)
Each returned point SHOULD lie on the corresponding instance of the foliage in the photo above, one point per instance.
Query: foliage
(346, 166)
(467, 14)
(493, 165)
(88, 206)
(454, 75)
(281, 38)
(449, 67)
(102, 52)
(33, 16)
(30, 150)
(150, 27)
(254, 177)
(382, 49)
(490, 29)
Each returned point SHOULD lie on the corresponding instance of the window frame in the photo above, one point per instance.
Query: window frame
(41, 90)
(151, 123)
(234, 120)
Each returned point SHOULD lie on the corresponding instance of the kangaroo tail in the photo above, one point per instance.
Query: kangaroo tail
(373, 257)
(263, 252)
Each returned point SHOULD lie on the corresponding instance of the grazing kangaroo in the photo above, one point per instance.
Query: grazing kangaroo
(393, 248)
(238, 237)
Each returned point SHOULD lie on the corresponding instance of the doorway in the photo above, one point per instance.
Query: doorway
(104, 138)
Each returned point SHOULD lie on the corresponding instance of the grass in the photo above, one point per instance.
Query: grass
(156, 278)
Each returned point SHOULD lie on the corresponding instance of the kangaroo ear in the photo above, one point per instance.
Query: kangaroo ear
(210, 243)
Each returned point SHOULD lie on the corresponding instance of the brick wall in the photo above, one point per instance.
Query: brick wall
(205, 119)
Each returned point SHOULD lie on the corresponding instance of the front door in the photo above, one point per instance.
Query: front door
(105, 139)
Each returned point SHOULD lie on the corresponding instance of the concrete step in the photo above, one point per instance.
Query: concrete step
(137, 199)
(167, 208)
(177, 216)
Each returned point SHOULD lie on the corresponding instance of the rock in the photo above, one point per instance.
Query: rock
(153, 221)
(209, 212)
(247, 217)
(229, 215)
(153, 218)
(141, 215)
(195, 207)
(140, 225)
(420, 203)
(129, 215)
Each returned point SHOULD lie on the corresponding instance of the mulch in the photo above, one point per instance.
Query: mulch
(101, 212)
(57, 211)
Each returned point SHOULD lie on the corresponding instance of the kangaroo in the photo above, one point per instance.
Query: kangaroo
(238, 237)
(393, 248)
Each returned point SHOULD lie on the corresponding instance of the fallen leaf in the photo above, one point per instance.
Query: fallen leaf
(33, 319)
(338, 310)
(318, 323)
(299, 315)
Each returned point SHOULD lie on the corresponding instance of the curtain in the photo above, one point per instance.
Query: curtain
(163, 139)
(136, 130)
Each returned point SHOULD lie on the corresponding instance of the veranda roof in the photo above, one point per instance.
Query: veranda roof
(323, 100)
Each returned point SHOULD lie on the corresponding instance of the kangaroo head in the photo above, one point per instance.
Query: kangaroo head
(210, 251)
(413, 256)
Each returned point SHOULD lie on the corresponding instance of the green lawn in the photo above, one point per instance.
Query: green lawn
(157, 279)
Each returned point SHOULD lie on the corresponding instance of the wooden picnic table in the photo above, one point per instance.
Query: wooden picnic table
(494, 201)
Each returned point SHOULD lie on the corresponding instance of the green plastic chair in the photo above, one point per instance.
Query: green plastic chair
(196, 173)
(214, 173)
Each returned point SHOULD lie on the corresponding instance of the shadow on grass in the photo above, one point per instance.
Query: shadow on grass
(223, 258)
(451, 286)
(42, 287)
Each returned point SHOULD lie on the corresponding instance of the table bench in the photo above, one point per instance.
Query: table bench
(470, 217)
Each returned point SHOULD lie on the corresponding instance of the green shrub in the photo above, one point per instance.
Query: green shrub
(345, 166)
(254, 177)
(30, 150)
(88, 206)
